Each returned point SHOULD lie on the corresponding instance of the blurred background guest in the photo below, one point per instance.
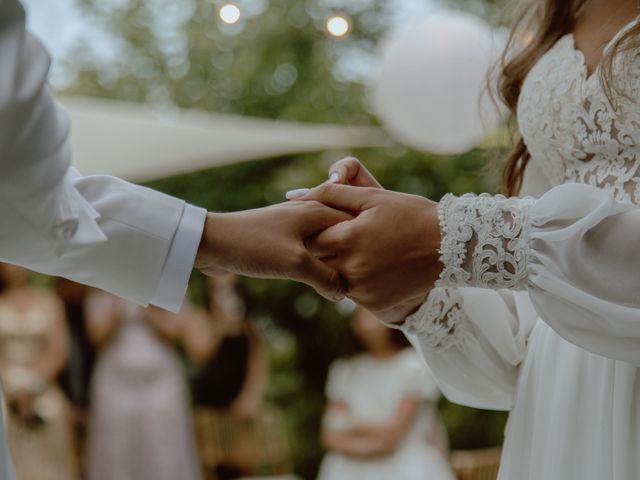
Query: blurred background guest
(382, 411)
(34, 346)
(236, 434)
(76, 376)
(230, 355)
(140, 422)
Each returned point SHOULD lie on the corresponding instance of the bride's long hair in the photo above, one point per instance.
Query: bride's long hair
(539, 25)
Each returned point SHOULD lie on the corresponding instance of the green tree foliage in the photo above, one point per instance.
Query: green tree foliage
(277, 63)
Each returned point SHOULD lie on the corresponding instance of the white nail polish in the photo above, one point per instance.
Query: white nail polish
(334, 177)
(300, 192)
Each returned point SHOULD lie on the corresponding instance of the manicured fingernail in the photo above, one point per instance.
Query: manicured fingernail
(338, 297)
(300, 192)
(334, 177)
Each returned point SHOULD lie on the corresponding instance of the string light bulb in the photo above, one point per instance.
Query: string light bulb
(338, 25)
(230, 13)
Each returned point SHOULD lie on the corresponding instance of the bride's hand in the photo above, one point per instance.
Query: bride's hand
(388, 253)
(350, 171)
(270, 243)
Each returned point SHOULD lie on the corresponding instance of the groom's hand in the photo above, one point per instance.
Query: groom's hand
(270, 243)
(388, 253)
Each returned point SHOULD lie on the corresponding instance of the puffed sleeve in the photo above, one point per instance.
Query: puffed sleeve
(97, 230)
(473, 341)
(576, 251)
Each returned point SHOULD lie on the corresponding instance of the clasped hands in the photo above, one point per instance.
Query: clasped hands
(346, 237)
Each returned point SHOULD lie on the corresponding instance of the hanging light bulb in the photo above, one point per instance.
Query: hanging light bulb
(230, 13)
(338, 25)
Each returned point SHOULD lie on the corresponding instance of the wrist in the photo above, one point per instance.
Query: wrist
(430, 246)
(435, 233)
(210, 248)
(396, 316)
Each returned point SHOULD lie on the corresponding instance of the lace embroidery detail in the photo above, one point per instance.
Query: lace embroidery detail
(572, 130)
(484, 241)
(440, 322)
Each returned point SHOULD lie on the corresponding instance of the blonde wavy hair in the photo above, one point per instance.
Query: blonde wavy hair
(539, 25)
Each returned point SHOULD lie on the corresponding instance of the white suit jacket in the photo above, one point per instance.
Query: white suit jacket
(101, 231)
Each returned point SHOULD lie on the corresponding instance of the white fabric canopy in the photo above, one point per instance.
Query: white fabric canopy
(138, 142)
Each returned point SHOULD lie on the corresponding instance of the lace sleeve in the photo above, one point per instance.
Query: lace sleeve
(484, 241)
(473, 341)
(440, 321)
(573, 252)
(484, 244)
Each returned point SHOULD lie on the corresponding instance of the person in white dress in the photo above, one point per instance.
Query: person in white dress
(537, 305)
(381, 421)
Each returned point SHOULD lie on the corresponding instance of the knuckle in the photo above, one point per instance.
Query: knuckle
(352, 233)
(300, 261)
(324, 190)
(351, 269)
(358, 267)
(347, 164)
(342, 162)
(344, 237)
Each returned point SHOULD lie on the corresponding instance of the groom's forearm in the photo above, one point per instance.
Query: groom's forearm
(271, 243)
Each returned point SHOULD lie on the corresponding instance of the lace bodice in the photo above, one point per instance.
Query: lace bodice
(574, 135)
(571, 129)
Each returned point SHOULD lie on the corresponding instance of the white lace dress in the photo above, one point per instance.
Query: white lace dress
(538, 307)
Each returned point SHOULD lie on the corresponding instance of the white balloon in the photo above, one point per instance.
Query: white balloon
(430, 89)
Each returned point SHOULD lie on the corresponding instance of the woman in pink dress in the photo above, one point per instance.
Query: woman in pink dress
(141, 426)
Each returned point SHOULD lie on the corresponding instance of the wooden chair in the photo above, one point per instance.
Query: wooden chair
(259, 444)
(476, 464)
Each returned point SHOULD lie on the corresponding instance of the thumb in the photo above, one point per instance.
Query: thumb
(324, 279)
(351, 171)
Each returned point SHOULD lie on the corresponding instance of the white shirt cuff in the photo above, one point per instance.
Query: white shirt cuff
(176, 271)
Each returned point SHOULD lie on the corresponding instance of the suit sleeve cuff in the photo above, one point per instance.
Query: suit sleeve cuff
(176, 271)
